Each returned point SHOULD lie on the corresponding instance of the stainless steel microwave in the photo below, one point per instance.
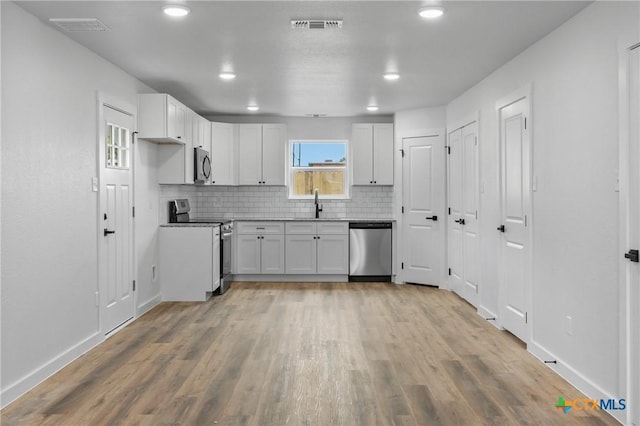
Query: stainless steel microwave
(201, 166)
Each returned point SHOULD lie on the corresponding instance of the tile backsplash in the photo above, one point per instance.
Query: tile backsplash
(366, 202)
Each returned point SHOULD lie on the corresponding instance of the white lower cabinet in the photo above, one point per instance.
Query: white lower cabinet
(317, 248)
(301, 257)
(333, 254)
(260, 248)
(189, 262)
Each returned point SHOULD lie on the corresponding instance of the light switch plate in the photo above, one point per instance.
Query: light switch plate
(94, 184)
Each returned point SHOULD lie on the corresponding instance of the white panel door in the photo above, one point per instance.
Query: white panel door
(631, 241)
(116, 218)
(383, 154)
(362, 153)
(223, 154)
(300, 254)
(470, 226)
(456, 260)
(423, 201)
(274, 140)
(249, 154)
(515, 246)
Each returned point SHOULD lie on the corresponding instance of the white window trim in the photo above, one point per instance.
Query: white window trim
(347, 167)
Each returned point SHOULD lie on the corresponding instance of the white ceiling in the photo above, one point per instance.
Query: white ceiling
(297, 72)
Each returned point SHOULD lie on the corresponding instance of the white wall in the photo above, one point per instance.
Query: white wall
(574, 73)
(49, 214)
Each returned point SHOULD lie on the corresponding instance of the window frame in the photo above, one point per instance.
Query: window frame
(291, 169)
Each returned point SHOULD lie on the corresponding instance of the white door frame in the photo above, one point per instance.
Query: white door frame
(399, 191)
(525, 92)
(629, 357)
(128, 109)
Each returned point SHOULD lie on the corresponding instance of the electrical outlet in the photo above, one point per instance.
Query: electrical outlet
(534, 184)
(569, 325)
(94, 184)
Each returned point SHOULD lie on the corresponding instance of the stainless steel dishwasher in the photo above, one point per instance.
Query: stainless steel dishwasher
(370, 251)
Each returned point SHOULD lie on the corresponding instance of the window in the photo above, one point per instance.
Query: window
(320, 165)
(117, 139)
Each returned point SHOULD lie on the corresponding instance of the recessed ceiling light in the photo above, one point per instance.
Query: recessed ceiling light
(227, 75)
(176, 10)
(391, 76)
(431, 12)
(372, 108)
(253, 108)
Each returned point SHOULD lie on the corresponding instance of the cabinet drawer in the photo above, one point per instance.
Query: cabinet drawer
(337, 228)
(260, 228)
(307, 228)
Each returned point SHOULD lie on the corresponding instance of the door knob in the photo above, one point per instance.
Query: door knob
(632, 255)
(433, 218)
(107, 232)
(501, 228)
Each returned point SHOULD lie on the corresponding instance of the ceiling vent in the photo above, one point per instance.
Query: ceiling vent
(316, 24)
(79, 24)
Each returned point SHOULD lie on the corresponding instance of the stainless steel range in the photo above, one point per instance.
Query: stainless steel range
(179, 212)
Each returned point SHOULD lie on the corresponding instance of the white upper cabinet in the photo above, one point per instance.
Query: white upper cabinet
(372, 153)
(261, 154)
(250, 154)
(274, 142)
(223, 154)
(162, 119)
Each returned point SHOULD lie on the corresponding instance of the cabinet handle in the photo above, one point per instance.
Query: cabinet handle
(375, 181)
(179, 137)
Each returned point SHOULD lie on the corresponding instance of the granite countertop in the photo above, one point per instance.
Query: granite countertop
(188, 225)
(310, 219)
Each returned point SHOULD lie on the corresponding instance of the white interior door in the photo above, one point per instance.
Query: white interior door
(463, 227)
(423, 203)
(515, 246)
(631, 240)
(116, 218)
(470, 227)
(455, 227)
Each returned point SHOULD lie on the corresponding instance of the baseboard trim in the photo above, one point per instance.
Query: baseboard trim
(149, 305)
(39, 375)
(575, 378)
(486, 313)
(291, 278)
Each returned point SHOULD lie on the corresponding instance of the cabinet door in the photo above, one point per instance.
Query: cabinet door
(333, 254)
(249, 154)
(272, 254)
(223, 154)
(248, 254)
(362, 154)
(274, 139)
(191, 138)
(215, 270)
(383, 154)
(176, 119)
(300, 254)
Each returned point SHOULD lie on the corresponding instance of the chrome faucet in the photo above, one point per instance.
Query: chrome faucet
(318, 206)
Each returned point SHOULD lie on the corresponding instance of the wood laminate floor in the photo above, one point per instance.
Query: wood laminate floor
(306, 354)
